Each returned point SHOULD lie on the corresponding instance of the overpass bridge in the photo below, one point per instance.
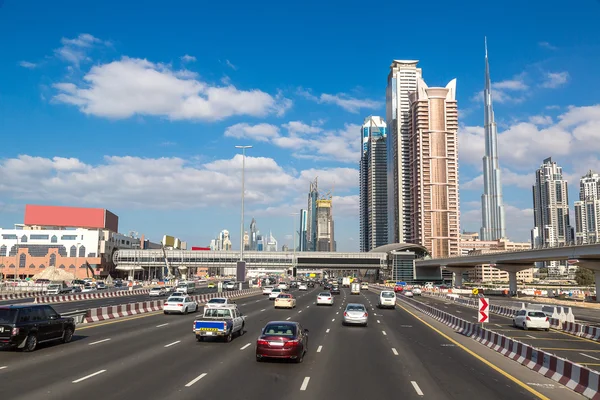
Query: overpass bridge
(584, 255)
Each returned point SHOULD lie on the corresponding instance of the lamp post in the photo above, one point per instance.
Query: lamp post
(294, 214)
(243, 190)
(87, 273)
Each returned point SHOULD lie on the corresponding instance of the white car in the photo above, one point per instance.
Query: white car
(267, 290)
(177, 294)
(88, 288)
(416, 291)
(364, 286)
(274, 293)
(303, 286)
(408, 293)
(387, 299)
(219, 302)
(531, 319)
(229, 286)
(157, 291)
(283, 286)
(181, 305)
(325, 298)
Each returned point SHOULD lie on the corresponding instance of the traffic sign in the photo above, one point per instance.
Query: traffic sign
(484, 310)
(475, 291)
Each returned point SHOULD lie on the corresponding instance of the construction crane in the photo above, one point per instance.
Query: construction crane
(169, 274)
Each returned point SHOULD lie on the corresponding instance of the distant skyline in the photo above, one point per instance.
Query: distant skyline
(137, 110)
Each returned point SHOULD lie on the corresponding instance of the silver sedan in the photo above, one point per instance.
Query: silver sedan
(355, 314)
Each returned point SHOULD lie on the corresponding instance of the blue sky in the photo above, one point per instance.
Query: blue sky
(138, 109)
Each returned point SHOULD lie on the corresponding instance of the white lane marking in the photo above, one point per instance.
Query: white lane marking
(394, 351)
(498, 325)
(372, 308)
(593, 358)
(327, 331)
(288, 318)
(305, 383)
(299, 311)
(333, 320)
(337, 313)
(378, 321)
(190, 383)
(89, 376)
(4, 367)
(460, 312)
(257, 301)
(99, 341)
(417, 388)
(262, 309)
(319, 349)
(533, 337)
(171, 344)
(384, 334)
(246, 346)
(161, 325)
(307, 306)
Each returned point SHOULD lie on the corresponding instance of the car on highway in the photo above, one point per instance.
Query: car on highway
(219, 302)
(387, 299)
(398, 288)
(274, 293)
(355, 314)
(210, 285)
(531, 319)
(267, 290)
(408, 293)
(303, 286)
(101, 286)
(230, 285)
(335, 289)
(282, 339)
(283, 286)
(355, 288)
(364, 286)
(220, 322)
(88, 288)
(325, 298)
(176, 294)
(157, 292)
(25, 326)
(180, 305)
(417, 291)
(285, 300)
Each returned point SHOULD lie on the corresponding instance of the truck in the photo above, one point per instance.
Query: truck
(355, 288)
(346, 282)
(222, 321)
(58, 287)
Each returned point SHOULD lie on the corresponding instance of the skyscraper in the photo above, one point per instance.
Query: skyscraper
(373, 184)
(253, 235)
(311, 228)
(325, 237)
(551, 211)
(493, 226)
(303, 230)
(433, 161)
(402, 80)
(587, 209)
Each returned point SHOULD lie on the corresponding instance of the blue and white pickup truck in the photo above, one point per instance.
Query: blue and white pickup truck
(220, 321)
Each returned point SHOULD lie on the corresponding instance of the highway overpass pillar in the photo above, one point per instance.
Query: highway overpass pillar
(458, 274)
(512, 270)
(594, 265)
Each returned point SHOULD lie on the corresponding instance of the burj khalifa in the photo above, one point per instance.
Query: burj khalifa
(492, 207)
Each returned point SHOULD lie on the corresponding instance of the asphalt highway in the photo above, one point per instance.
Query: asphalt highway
(156, 356)
(580, 350)
(104, 302)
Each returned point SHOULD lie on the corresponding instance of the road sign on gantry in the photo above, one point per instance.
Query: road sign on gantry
(484, 310)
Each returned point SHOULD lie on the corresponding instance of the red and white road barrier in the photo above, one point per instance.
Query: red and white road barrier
(14, 296)
(123, 310)
(89, 296)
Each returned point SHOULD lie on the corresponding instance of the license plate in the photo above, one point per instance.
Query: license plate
(276, 344)
(209, 333)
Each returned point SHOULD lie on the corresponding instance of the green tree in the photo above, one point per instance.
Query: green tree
(585, 277)
(543, 270)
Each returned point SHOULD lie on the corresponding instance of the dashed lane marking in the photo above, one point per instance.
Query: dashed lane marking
(417, 388)
(530, 336)
(4, 367)
(161, 325)
(333, 320)
(305, 383)
(190, 383)
(299, 311)
(319, 349)
(288, 318)
(172, 344)
(99, 341)
(89, 376)
(394, 351)
(262, 310)
(384, 334)
(378, 321)
(327, 331)
(245, 346)
(588, 356)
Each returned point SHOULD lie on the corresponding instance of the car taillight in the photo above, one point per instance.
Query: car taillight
(291, 343)
(366, 314)
(345, 314)
(14, 332)
(528, 319)
(329, 298)
(179, 305)
(547, 319)
(224, 325)
(262, 342)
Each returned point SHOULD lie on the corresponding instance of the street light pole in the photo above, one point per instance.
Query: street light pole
(243, 190)
(294, 240)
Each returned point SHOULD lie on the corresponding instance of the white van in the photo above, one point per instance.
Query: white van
(387, 299)
(186, 287)
(355, 288)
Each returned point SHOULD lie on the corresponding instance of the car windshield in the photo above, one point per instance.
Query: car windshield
(7, 315)
(284, 296)
(326, 294)
(217, 301)
(280, 330)
(175, 299)
(537, 314)
(277, 290)
(217, 312)
(355, 307)
(387, 295)
(156, 289)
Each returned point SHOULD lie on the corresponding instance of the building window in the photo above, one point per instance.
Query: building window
(53, 260)
(38, 237)
(92, 255)
(68, 237)
(12, 266)
(71, 266)
(3, 250)
(22, 260)
(82, 251)
(53, 239)
(82, 266)
(24, 239)
(31, 266)
(73, 252)
(42, 266)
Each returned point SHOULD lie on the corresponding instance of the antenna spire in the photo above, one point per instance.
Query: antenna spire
(485, 44)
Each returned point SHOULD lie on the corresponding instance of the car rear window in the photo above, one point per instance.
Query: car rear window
(175, 299)
(537, 314)
(7, 315)
(218, 301)
(280, 330)
(388, 295)
(327, 294)
(355, 307)
(284, 296)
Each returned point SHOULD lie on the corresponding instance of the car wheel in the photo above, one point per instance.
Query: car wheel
(524, 326)
(67, 335)
(301, 358)
(547, 329)
(200, 338)
(259, 359)
(166, 313)
(229, 337)
(30, 343)
(514, 323)
(185, 311)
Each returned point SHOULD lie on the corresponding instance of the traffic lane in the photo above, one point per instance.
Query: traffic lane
(107, 340)
(173, 363)
(442, 370)
(573, 348)
(281, 377)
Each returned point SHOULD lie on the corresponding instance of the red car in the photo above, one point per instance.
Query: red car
(398, 288)
(282, 339)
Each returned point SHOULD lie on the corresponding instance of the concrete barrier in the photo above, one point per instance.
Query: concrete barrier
(87, 296)
(14, 296)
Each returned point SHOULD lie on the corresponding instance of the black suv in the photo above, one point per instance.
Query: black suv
(24, 326)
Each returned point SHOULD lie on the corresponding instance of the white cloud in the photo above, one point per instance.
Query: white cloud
(76, 50)
(518, 221)
(296, 127)
(122, 89)
(260, 132)
(348, 103)
(541, 120)
(27, 64)
(547, 45)
(230, 65)
(509, 178)
(553, 80)
(187, 58)
(162, 183)
(507, 91)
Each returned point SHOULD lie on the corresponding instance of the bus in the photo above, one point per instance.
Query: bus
(186, 287)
